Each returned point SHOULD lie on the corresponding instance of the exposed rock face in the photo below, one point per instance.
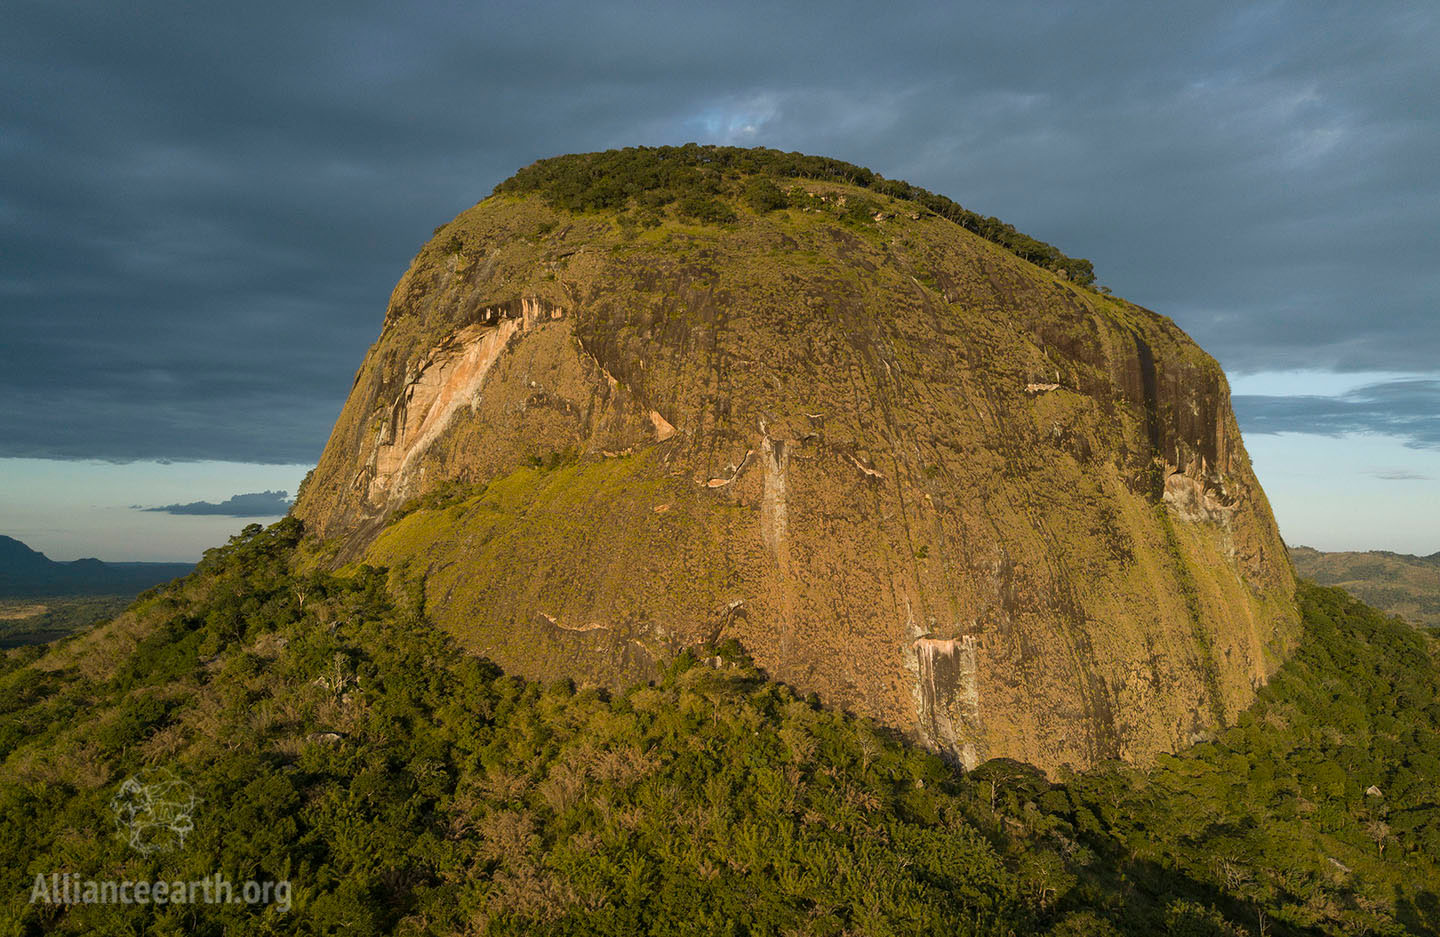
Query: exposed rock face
(908, 470)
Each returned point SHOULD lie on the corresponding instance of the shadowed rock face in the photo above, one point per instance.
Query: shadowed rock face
(906, 469)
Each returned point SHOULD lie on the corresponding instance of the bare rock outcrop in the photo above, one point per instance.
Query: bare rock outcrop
(907, 469)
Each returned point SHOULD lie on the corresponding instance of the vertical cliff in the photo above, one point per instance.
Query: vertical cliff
(905, 467)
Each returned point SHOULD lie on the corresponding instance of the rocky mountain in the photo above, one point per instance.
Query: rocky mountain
(646, 399)
(1398, 583)
(25, 572)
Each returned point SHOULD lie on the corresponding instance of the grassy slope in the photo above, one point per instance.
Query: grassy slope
(338, 741)
(522, 526)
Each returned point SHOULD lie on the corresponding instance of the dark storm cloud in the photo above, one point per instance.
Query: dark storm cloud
(203, 207)
(1408, 409)
(255, 504)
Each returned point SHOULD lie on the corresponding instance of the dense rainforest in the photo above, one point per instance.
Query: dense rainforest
(335, 740)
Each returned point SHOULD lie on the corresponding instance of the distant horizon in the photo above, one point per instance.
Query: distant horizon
(38, 507)
(105, 560)
(130, 515)
(120, 523)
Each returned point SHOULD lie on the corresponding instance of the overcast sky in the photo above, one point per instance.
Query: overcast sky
(203, 207)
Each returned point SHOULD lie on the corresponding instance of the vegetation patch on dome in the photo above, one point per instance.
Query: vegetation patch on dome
(700, 178)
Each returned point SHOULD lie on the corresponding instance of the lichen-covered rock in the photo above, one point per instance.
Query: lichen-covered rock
(905, 468)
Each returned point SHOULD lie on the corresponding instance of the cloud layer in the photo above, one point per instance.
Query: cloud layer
(1407, 409)
(255, 504)
(203, 208)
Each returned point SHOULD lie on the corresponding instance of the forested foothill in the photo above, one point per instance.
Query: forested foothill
(335, 739)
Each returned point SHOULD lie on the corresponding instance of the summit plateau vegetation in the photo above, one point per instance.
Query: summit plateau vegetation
(336, 739)
(700, 180)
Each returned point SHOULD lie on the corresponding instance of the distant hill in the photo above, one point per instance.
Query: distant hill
(26, 572)
(1398, 583)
